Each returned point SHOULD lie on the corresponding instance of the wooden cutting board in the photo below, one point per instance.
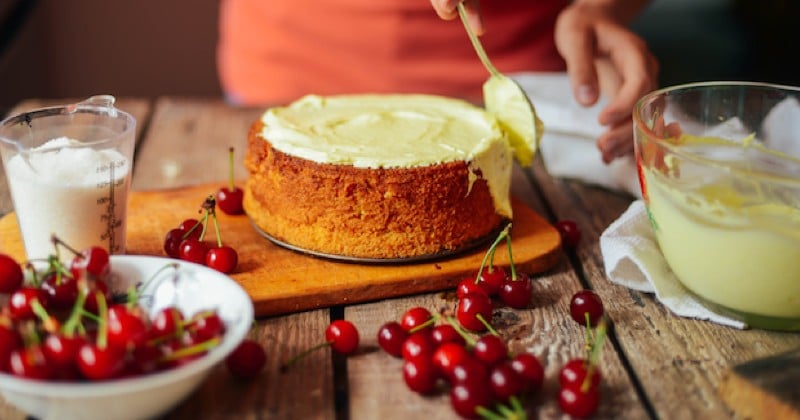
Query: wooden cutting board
(765, 388)
(282, 281)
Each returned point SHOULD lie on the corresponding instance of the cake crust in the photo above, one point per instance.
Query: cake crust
(375, 213)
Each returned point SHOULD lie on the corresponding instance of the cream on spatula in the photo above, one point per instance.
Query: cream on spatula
(506, 100)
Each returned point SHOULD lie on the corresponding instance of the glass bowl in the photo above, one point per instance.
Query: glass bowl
(719, 169)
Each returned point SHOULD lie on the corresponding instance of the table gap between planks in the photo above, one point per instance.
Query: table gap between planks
(655, 365)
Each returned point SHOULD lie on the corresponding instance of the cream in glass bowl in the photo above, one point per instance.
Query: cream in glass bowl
(719, 169)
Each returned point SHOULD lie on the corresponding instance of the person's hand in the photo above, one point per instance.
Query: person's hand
(448, 10)
(602, 55)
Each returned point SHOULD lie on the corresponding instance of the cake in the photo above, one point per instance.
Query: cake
(378, 176)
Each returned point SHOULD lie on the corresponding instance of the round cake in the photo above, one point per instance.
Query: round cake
(378, 176)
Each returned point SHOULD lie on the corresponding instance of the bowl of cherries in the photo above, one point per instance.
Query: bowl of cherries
(122, 337)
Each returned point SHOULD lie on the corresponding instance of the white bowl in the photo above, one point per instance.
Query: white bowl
(195, 288)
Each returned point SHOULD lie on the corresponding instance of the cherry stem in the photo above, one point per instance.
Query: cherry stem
(511, 257)
(102, 321)
(285, 366)
(135, 292)
(191, 350)
(49, 323)
(490, 252)
(57, 241)
(594, 354)
(467, 337)
(75, 316)
(230, 168)
(216, 230)
(487, 414)
(426, 324)
(487, 325)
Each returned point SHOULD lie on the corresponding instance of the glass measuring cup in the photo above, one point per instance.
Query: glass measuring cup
(68, 169)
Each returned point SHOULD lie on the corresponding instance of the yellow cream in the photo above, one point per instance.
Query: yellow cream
(394, 131)
(729, 241)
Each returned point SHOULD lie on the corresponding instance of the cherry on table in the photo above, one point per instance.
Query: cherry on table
(415, 317)
(490, 350)
(467, 396)
(586, 304)
(491, 279)
(418, 345)
(391, 337)
(193, 250)
(247, 360)
(222, 258)
(576, 371)
(530, 369)
(446, 333)
(579, 402)
(467, 286)
(505, 382)
(516, 293)
(570, 233)
(474, 310)
(447, 356)
(342, 336)
(420, 375)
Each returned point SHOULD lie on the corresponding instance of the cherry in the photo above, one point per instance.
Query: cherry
(466, 397)
(193, 250)
(11, 276)
(447, 356)
(468, 286)
(167, 322)
(586, 307)
(223, 259)
(191, 228)
(342, 336)
(415, 318)
(516, 293)
(20, 303)
(62, 350)
(491, 279)
(469, 369)
(570, 233)
(10, 340)
(97, 362)
(576, 371)
(127, 327)
(93, 260)
(420, 375)
(474, 311)
(418, 345)
(62, 290)
(505, 382)
(490, 350)
(230, 198)
(91, 295)
(530, 369)
(247, 360)
(206, 325)
(30, 362)
(579, 402)
(391, 337)
(446, 333)
(172, 242)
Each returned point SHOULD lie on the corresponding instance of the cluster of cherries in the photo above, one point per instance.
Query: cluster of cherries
(63, 323)
(187, 240)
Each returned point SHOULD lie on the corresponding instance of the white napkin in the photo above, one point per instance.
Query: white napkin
(633, 259)
(568, 147)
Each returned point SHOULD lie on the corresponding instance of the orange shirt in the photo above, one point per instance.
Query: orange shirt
(274, 51)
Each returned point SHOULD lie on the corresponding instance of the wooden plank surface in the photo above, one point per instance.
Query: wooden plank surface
(678, 362)
(281, 281)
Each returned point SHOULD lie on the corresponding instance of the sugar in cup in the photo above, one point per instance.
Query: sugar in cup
(68, 170)
(719, 168)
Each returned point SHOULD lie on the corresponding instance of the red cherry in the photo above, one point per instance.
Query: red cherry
(193, 250)
(172, 242)
(530, 369)
(492, 279)
(420, 375)
(91, 296)
(583, 303)
(578, 402)
(446, 333)
(166, 323)
(490, 350)
(30, 362)
(342, 336)
(418, 345)
(126, 327)
(223, 259)
(472, 308)
(575, 372)
(447, 356)
(391, 337)
(10, 340)
(468, 370)
(414, 318)
(570, 233)
(468, 286)
(93, 260)
(62, 290)
(466, 397)
(11, 276)
(192, 228)
(247, 360)
(230, 198)
(99, 363)
(517, 293)
(505, 382)
(62, 351)
(206, 325)
(20, 302)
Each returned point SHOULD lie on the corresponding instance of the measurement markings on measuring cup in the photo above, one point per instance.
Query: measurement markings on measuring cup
(110, 201)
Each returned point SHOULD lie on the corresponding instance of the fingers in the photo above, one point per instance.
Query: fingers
(575, 41)
(448, 10)
(616, 142)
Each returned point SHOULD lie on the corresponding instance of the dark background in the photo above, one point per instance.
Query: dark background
(77, 48)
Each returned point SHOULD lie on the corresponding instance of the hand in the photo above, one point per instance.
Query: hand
(603, 55)
(448, 10)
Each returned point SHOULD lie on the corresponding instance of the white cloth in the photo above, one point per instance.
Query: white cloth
(568, 146)
(633, 259)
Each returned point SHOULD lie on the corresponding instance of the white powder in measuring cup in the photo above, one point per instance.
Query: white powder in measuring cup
(77, 193)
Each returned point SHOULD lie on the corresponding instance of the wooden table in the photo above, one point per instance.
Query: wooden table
(655, 365)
